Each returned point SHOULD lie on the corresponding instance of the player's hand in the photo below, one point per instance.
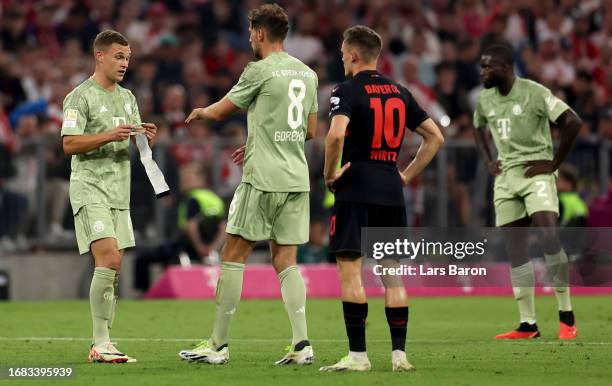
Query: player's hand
(539, 167)
(150, 130)
(405, 180)
(238, 155)
(329, 182)
(194, 116)
(494, 167)
(120, 133)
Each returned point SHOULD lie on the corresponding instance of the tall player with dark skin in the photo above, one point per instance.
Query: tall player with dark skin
(506, 89)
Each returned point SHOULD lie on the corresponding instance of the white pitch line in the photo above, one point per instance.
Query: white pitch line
(61, 338)
(254, 340)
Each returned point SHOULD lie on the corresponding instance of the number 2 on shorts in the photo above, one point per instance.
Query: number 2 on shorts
(541, 188)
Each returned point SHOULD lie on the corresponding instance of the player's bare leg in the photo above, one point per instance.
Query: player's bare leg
(557, 266)
(293, 290)
(351, 286)
(103, 299)
(522, 277)
(396, 310)
(355, 307)
(229, 288)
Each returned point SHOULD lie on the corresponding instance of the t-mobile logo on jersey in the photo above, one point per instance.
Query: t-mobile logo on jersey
(119, 121)
(503, 127)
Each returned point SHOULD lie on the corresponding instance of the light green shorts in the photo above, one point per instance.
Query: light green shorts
(516, 197)
(256, 215)
(97, 221)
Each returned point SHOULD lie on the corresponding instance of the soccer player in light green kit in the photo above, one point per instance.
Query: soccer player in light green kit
(272, 202)
(517, 112)
(99, 117)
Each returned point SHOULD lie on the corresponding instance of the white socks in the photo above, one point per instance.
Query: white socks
(558, 271)
(523, 282)
(359, 355)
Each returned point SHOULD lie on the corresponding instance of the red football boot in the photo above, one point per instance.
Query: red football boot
(525, 331)
(567, 332)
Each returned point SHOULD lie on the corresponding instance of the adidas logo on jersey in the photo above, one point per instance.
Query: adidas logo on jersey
(103, 109)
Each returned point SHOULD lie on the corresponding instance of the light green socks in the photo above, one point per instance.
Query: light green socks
(293, 290)
(229, 288)
(558, 271)
(115, 298)
(101, 300)
(523, 283)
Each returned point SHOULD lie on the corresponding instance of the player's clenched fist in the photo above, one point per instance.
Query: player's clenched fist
(120, 133)
(195, 115)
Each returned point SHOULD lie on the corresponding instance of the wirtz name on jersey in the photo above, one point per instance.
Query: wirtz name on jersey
(383, 155)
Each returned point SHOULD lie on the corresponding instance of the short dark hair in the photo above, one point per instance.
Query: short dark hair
(502, 52)
(106, 38)
(367, 41)
(271, 17)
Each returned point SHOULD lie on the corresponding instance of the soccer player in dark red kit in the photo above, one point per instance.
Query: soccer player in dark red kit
(369, 114)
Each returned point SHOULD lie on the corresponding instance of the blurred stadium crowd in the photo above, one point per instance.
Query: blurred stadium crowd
(187, 54)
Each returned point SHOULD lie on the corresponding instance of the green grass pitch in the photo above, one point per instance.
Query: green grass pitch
(450, 341)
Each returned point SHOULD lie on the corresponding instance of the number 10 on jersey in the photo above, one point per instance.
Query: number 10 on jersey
(384, 123)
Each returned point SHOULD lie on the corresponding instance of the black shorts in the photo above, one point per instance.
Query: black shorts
(349, 217)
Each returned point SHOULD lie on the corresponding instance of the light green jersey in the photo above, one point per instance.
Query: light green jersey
(101, 176)
(519, 121)
(279, 92)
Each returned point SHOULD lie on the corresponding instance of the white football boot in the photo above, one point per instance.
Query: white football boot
(204, 352)
(349, 363)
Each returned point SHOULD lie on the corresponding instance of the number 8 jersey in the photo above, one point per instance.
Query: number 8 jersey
(379, 111)
(280, 92)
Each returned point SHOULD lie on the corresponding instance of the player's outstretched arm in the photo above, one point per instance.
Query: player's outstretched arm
(493, 166)
(569, 123)
(432, 141)
(333, 148)
(78, 144)
(218, 111)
